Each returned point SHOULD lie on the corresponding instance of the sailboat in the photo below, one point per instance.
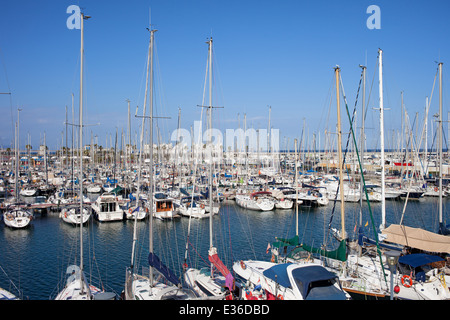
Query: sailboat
(261, 201)
(72, 215)
(371, 271)
(302, 279)
(17, 216)
(77, 286)
(203, 281)
(161, 283)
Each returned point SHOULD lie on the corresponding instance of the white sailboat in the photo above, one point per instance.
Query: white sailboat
(161, 283)
(302, 280)
(189, 207)
(76, 286)
(256, 201)
(420, 274)
(17, 216)
(205, 282)
(72, 215)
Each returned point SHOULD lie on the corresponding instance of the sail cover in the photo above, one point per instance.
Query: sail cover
(339, 254)
(215, 260)
(417, 238)
(155, 262)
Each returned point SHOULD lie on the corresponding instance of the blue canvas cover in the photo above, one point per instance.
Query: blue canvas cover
(313, 284)
(418, 259)
(155, 262)
(278, 274)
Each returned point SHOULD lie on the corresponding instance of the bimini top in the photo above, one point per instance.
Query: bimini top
(419, 259)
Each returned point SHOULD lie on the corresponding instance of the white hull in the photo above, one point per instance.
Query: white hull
(73, 285)
(93, 189)
(28, 192)
(284, 204)
(72, 216)
(6, 295)
(194, 212)
(203, 285)
(261, 204)
(106, 208)
(130, 214)
(138, 287)
(369, 269)
(17, 218)
(109, 216)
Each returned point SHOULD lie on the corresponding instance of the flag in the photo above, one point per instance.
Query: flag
(367, 223)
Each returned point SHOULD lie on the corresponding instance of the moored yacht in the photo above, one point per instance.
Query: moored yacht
(106, 208)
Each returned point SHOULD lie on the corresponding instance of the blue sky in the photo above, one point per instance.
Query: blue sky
(266, 53)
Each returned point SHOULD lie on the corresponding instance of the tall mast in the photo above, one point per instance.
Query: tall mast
(380, 83)
(16, 176)
(341, 167)
(141, 147)
(440, 150)
(81, 146)
(150, 209)
(296, 188)
(211, 151)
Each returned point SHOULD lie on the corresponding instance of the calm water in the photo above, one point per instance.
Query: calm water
(35, 259)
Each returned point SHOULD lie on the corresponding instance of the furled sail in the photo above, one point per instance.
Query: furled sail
(155, 262)
(215, 260)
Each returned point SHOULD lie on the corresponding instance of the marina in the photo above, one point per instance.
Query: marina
(35, 258)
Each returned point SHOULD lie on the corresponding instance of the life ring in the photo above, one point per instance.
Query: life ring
(130, 211)
(280, 297)
(202, 206)
(436, 189)
(407, 281)
(243, 266)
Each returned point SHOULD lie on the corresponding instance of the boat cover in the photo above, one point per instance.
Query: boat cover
(284, 242)
(278, 273)
(417, 238)
(419, 259)
(339, 254)
(305, 276)
(155, 262)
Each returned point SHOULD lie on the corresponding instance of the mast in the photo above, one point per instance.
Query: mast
(341, 167)
(81, 147)
(361, 150)
(16, 176)
(211, 152)
(442, 230)
(150, 209)
(296, 188)
(141, 139)
(380, 83)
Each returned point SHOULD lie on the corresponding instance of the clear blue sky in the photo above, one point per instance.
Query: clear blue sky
(266, 53)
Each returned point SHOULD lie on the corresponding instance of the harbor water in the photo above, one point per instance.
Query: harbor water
(34, 260)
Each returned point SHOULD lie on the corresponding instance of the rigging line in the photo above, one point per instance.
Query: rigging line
(363, 180)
